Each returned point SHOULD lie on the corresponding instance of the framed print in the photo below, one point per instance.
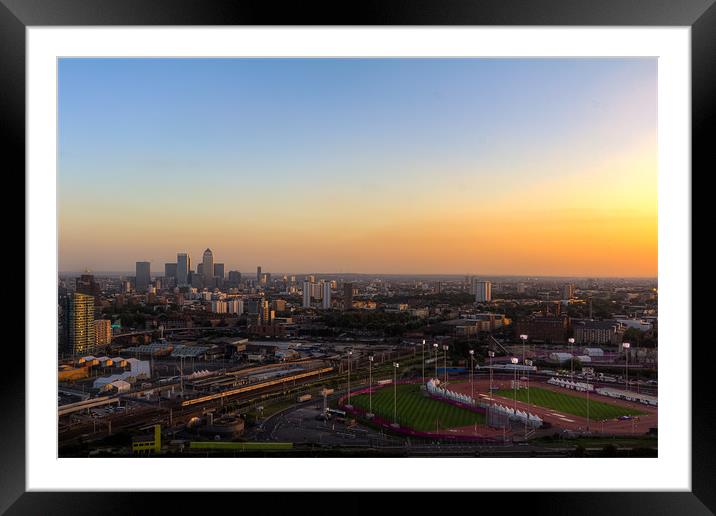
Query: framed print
(420, 249)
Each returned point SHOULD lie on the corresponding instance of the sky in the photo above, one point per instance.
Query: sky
(423, 166)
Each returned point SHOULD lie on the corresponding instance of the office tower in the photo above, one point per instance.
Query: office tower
(483, 291)
(195, 279)
(234, 277)
(347, 296)
(183, 268)
(258, 273)
(326, 303)
(102, 332)
(200, 269)
(219, 270)
(208, 267)
(568, 291)
(306, 294)
(86, 284)
(142, 276)
(80, 317)
(170, 270)
(311, 278)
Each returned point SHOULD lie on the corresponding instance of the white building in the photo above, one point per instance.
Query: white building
(306, 294)
(326, 302)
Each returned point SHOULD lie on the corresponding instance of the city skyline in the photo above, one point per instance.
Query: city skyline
(368, 166)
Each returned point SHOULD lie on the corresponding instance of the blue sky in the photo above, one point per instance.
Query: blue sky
(179, 140)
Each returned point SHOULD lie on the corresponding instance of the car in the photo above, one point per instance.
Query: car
(625, 418)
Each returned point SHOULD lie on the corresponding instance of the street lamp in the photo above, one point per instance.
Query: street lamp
(523, 338)
(571, 356)
(436, 360)
(472, 376)
(370, 387)
(445, 349)
(395, 393)
(514, 361)
(350, 353)
(626, 347)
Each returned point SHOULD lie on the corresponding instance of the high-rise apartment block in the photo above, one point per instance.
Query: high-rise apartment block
(326, 301)
(483, 291)
(347, 296)
(102, 332)
(80, 327)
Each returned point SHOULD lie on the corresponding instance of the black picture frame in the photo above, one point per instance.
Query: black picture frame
(700, 15)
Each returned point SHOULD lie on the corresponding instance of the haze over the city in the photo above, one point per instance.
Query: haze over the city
(458, 166)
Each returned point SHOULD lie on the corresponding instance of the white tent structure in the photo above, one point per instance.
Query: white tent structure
(568, 384)
(433, 388)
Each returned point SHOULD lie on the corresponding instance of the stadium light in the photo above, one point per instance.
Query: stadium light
(626, 347)
(523, 338)
(571, 358)
(445, 349)
(491, 354)
(396, 365)
(436, 360)
(472, 376)
(529, 364)
(514, 361)
(423, 349)
(350, 353)
(370, 387)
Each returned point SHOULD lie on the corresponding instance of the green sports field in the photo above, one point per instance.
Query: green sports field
(416, 410)
(568, 404)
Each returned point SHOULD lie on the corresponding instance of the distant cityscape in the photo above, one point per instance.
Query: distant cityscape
(146, 350)
(302, 197)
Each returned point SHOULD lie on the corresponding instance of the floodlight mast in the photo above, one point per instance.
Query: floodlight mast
(435, 345)
(370, 386)
(350, 353)
(472, 376)
(445, 349)
(423, 353)
(571, 356)
(395, 392)
(626, 347)
(523, 338)
(514, 361)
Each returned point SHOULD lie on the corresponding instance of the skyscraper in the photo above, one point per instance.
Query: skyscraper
(326, 302)
(183, 267)
(142, 276)
(347, 296)
(170, 270)
(258, 273)
(219, 270)
(483, 291)
(568, 291)
(306, 294)
(234, 278)
(80, 317)
(208, 268)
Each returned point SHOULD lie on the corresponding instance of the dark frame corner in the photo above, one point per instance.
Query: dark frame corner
(700, 15)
